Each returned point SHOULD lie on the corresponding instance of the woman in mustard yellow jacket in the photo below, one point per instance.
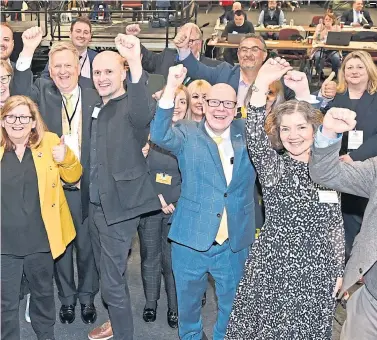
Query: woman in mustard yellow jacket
(36, 224)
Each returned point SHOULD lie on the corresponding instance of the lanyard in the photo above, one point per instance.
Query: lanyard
(82, 65)
(74, 111)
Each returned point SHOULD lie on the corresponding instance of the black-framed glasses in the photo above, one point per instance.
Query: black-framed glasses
(228, 104)
(5, 79)
(191, 41)
(11, 119)
(254, 49)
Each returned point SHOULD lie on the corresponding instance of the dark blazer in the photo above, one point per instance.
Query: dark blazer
(125, 184)
(347, 17)
(49, 99)
(160, 62)
(83, 82)
(222, 73)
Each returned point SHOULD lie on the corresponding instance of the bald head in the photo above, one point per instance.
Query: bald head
(108, 75)
(222, 91)
(236, 6)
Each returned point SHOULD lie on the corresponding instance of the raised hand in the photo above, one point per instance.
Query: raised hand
(31, 39)
(176, 76)
(133, 29)
(59, 151)
(328, 88)
(271, 70)
(182, 39)
(129, 47)
(297, 82)
(338, 120)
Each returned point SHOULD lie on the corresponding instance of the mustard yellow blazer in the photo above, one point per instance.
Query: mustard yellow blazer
(54, 207)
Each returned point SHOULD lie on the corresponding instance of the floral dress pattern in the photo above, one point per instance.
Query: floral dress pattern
(292, 268)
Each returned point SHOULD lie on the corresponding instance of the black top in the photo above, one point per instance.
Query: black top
(162, 162)
(22, 227)
(231, 27)
(93, 175)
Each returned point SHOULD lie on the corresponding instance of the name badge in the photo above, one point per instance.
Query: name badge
(73, 143)
(95, 112)
(163, 179)
(355, 139)
(328, 196)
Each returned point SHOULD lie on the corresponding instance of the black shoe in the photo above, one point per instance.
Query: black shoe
(172, 319)
(88, 313)
(204, 336)
(204, 299)
(149, 314)
(67, 314)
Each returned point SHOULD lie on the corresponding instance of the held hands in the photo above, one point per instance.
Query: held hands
(176, 76)
(59, 151)
(328, 88)
(272, 69)
(298, 82)
(133, 29)
(166, 208)
(129, 47)
(31, 38)
(145, 150)
(338, 120)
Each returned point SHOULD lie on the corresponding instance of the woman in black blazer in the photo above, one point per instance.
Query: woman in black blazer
(357, 91)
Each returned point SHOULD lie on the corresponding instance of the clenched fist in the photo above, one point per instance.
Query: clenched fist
(176, 76)
(298, 82)
(31, 38)
(129, 47)
(338, 120)
(59, 151)
(133, 29)
(272, 70)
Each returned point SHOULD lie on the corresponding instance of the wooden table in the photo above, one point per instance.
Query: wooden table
(353, 46)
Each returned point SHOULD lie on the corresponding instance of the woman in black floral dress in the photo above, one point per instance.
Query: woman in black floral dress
(295, 267)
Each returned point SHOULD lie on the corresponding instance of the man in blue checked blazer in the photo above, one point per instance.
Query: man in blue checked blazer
(213, 224)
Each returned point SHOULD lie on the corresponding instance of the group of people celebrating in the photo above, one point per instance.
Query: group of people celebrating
(93, 152)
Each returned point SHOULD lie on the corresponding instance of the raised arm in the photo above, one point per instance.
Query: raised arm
(162, 132)
(141, 107)
(356, 178)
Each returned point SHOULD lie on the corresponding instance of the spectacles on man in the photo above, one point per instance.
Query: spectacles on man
(254, 49)
(228, 104)
(5, 79)
(11, 119)
(191, 41)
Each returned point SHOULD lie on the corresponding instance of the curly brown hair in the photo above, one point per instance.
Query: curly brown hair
(273, 120)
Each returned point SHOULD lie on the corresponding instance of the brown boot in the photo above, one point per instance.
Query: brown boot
(103, 332)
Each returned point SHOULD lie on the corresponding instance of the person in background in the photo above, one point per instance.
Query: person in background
(295, 267)
(81, 35)
(322, 30)
(238, 25)
(6, 42)
(356, 178)
(227, 6)
(229, 16)
(36, 224)
(15, 6)
(160, 62)
(271, 16)
(357, 16)
(6, 74)
(198, 91)
(356, 91)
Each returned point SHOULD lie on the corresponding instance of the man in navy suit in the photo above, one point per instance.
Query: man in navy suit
(357, 16)
(213, 224)
(81, 35)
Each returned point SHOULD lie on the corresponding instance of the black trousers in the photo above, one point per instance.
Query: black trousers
(88, 281)
(111, 245)
(39, 270)
(155, 253)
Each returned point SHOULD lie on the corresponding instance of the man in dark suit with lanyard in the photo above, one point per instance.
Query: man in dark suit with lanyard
(81, 35)
(66, 109)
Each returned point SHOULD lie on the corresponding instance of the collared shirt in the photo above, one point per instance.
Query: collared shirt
(243, 87)
(271, 14)
(356, 17)
(85, 64)
(226, 148)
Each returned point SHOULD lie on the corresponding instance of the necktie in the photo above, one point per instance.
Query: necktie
(68, 104)
(222, 234)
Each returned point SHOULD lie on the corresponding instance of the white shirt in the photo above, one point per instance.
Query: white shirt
(356, 17)
(85, 64)
(226, 148)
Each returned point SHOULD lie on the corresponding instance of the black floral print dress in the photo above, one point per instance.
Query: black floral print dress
(292, 268)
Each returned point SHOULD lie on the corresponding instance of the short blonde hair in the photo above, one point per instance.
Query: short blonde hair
(7, 67)
(36, 134)
(199, 85)
(370, 67)
(64, 46)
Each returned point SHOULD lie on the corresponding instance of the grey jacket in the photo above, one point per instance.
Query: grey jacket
(358, 178)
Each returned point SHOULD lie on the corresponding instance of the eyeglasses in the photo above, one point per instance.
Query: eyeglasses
(228, 104)
(5, 79)
(191, 41)
(254, 49)
(11, 119)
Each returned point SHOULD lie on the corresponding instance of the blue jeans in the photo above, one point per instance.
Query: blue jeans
(333, 56)
(191, 268)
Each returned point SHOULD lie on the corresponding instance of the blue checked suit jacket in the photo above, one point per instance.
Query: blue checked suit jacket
(204, 191)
